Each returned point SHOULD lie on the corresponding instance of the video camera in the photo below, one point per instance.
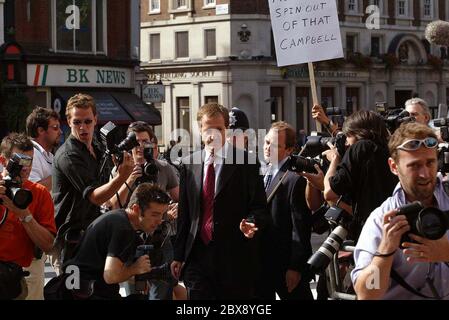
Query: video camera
(339, 220)
(13, 183)
(430, 223)
(159, 271)
(395, 117)
(109, 134)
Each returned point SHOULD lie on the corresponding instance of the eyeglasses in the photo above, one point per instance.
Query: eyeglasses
(79, 122)
(55, 127)
(415, 144)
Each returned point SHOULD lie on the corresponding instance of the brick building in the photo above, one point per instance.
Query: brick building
(221, 50)
(55, 48)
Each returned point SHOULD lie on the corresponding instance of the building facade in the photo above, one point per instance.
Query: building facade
(222, 50)
(55, 48)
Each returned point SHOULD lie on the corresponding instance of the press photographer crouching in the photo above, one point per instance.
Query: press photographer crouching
(106, 254)
(418, 265)
(150, 169)
(362, 176)
(26, 216)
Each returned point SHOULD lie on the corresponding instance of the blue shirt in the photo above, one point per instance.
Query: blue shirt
(413, 273)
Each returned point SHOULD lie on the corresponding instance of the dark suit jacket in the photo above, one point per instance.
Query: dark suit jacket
(239, 194)
(287, 241)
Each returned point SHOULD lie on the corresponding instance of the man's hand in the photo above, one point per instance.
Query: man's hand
(142, 265)
(175, 268)
(135, 174)
(332, 154)
(248, 229)
(172, 211)
(319, 115)
(292, 279)
(392, 230)
(427, 250)
(127, 166)
(315, 179)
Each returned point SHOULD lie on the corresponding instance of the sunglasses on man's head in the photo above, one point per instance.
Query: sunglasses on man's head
(415, 144)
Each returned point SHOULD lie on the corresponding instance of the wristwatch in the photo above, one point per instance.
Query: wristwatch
(27, 219)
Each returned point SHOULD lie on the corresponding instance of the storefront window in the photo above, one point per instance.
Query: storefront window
(183, 112)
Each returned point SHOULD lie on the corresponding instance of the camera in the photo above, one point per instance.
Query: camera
(159, 271)
(13, 183)
(339, 220)
(299, 163)
(394, 118)
(430, 223)
(317, 144)
(109, 134)
(149, 169)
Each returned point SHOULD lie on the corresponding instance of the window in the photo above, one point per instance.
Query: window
(351, 44)
(182, 44)
(428, 8)
(210, 99)
(402, 8)
(378, 4)
(209, 3)
(155, 6)
(179, 4)
(79, 25)
(210, 43)
(375, 46)
(352, 5)
(155, 46)
(183, 112)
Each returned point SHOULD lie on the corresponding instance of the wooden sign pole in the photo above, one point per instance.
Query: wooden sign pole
(314, 93)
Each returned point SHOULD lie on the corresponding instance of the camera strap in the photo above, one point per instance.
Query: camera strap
(396, 277)
(5, 216)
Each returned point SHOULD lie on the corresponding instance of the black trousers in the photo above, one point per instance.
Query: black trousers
(202, 277)
(272, 281)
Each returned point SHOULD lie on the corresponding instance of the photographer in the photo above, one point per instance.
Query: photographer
(362, 176)
(21, 230)
(164, 175)
(418, 109)
(106, 252)
(420, 270)
(77, 190)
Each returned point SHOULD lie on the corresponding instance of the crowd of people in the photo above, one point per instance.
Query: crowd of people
(222, 225)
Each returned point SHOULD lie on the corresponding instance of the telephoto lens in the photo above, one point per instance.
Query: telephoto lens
(320, 259)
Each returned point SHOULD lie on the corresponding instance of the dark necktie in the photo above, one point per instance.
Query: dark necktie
(268, 181)
(208, 195)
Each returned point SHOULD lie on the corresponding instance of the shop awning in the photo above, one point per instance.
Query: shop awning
(139, 110)
(108, 109)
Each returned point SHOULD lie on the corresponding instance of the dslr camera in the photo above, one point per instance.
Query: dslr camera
(13, 183)
(149, 169)
(339, 220)
(430, 223)
(317, 144)
(297, 163)
(109, 134)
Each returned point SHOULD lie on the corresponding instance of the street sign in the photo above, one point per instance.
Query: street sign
(153, 93)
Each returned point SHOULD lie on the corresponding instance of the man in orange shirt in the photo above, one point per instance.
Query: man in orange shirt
(22, 230)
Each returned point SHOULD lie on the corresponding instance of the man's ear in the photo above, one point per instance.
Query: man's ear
(393, 166)
(40, 130)
(135, 209)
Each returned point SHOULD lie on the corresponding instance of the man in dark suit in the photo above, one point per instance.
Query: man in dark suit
(286, 243)
(222, 205)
